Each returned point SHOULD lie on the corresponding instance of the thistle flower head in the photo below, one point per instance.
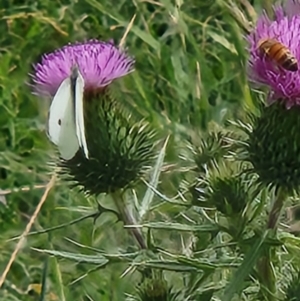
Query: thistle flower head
(99, 63)
(266, 70)
(120, 147)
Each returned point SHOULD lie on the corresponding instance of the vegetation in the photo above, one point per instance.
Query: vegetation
(205, 223)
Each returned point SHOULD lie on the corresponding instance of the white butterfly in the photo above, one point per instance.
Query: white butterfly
(66, 117)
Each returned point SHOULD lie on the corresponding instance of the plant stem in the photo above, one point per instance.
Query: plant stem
(127, 218)
(276, 210)
(265, 268)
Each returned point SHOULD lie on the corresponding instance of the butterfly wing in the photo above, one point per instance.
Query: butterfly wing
(61, 123)
(79, 111)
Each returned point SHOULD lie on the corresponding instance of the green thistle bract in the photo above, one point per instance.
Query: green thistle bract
(273, 146)
(120, 149)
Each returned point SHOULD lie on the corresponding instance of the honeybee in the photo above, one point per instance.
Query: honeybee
(278, 53)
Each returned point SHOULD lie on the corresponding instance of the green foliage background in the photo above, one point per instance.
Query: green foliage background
(190, 73)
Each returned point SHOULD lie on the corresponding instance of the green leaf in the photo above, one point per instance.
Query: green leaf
(178, 227)
(143, 35)
(147, 200)
(168, 265)
(245, 268)
(208, 264)
(94, 259)
(222, 41)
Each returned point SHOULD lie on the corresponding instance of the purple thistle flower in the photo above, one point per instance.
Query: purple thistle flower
(285, 28)
(99, 63)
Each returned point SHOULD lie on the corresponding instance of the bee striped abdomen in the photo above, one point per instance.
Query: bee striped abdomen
(278, 53)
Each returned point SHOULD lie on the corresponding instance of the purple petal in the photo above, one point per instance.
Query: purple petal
(292, 8)
(99, 63)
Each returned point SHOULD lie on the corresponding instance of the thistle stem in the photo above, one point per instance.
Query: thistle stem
(265, 268)
(127, 218)
(276, 211)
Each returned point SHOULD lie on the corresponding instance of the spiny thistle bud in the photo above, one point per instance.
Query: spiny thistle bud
(155, 290)
(118, 148)
(121, 150)
(224, 188)
(273, 146)
(212, 147)
(292, 292)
